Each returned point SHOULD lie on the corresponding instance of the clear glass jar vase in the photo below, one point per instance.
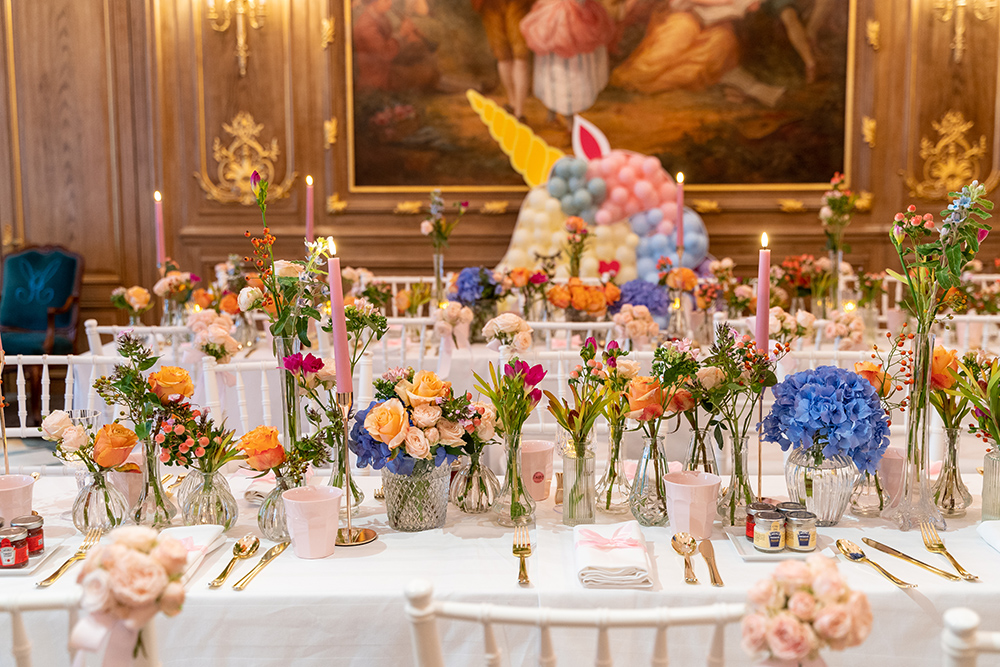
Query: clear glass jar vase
(613, 489)
(700, 455)
(482, 312)
(271, 515)
(648, 500)
(99, 504)
(951, 495)
(418, 501)
(514, 506)
(244, 331)
(580, 494)
(733, 503)
(991, 485)
(869, 315)
(823, 484)
(209, 501)
(678, 326)
(474, 488)
(916, 502)
(153, 508)
(870, 496)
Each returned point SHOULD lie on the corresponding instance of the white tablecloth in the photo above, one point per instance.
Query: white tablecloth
(348, 609)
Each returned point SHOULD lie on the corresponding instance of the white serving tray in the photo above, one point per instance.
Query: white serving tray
(746, 551)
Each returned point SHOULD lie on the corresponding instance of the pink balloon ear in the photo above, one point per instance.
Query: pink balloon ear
(588, 141)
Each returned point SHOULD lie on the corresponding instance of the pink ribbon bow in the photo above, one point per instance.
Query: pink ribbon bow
(620, 540)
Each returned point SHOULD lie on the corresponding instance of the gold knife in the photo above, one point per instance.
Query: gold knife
(271, 554)
(910, 559)
(708, 553)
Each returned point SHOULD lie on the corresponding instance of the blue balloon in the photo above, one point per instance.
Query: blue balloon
(651, 277)
(563, 167)
(568, 205)
(640, 225)
(655, 217)
(695, 249)
(557, 187)
(598, 189)
(643, 249)
(645, 266)
(575, 184)
(588, 215)
(583, 199)
(578, 168)
(659, 244)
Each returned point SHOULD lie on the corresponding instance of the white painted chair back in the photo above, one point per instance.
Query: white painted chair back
(560, 335)
(164, 342)
(962, 642)
(396, 348)
(398, 284)
(20, 605)
(970, 332)
(423, 612)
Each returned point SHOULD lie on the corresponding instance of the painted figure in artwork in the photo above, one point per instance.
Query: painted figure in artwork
(502, 23)
(391, 52)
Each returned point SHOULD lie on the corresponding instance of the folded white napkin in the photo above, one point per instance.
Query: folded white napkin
(258, 489)
(612, 556)
(199, 541)
(990, 532)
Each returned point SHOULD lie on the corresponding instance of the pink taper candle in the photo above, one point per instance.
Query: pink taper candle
(763, 294)
(341, 351)
(310, 234)
(161, 246)
(680, 212)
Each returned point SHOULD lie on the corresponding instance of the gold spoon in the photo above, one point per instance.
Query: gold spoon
(685, 545)
(245, 547)
(854, 553)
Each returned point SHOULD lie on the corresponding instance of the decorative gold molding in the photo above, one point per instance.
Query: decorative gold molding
(329, 132)
(327, 27)
(949, 163)
(704, 206)
(791, 205)
(494, 207)
(252, 11)
(237, 162)
(946, 10)
(408, 207)
(868, 130)
(334, 204)
(864, 201)
(872, 33)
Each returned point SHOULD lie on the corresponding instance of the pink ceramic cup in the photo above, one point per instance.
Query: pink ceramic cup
(313, 515)
(536, 467)
(15, 496)
(891, 471)
(691, 502)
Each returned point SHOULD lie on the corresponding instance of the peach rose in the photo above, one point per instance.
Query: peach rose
(875, 375)
(137, 579)
(137, 297)
(112, 445)
(416, 444)
(201, 298)
(710, 377)
(680, 401)
(645, 398)
(754, 633)
(426, 387)
(55, 424)
(522, 341)
(433, 436)
(802, 605)
(327, 376)
(627, 368)
(171, 384)
(171, 554)
(229, 303)
(944, 362)
(486, 429)
(558, 296)
(426, 415)
(263, 449)
(861, 617)
(519, 276)
(683, 279)
(172, 599)
(789, 639)
(388, 422)
(451, 432)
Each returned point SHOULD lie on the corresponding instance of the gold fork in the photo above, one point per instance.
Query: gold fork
(935, 545)
(522, 549)
(93, 537)
(379, 493)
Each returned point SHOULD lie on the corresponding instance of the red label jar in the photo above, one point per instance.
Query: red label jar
(36, 537)
(13, 548)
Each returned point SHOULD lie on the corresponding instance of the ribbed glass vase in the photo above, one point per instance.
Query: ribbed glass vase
(613, 488)
(823, 484)
(209, 501)
(950, 493)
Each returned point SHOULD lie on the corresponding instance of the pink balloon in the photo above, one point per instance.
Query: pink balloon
(636, 161)
(643, 190)
(632, 206)
(619, 195)
(626, 175)
(618, 159)
(614, 210)
(669, 211)
(665, 227)
(603, 217)
(594, 168)
(668, 192)
(650, 166)
(609, 167)
(657, 178)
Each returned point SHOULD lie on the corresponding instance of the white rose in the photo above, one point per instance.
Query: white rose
(825, 213)
(349, 274)
(426, 227)
(509, 323)
(328, 374)
(628, 369)
(453, 311)
(96, 591)
(710, 377)
(426, 415)
(490, 330)
(55, 425)
(728, 263)
(773, 325)
(249, 298)
(805, 318)
(522, 341)
(286, 269)
(217, 335)
(73, 438)
(416, 444)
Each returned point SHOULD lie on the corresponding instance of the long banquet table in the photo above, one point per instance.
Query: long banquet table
(348, 609)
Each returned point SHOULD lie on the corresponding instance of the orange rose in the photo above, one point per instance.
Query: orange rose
(425, 388)
(349, 300)
(112, 445)
(575, 224)
(388, 422)
(519, 276)
(229, 303)
(645, 398)
(137, 297)
(612, 293)
(402, 300)
(681, 401)
(596, 304)
(683, 279)
(874, 374)
(201, 297)
(171, 381)
(579, 298)
(944, 362)
(558, 296)
(263, 449)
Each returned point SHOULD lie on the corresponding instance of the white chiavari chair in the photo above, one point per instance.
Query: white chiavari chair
(164, 342)
(560, 335)
(970, 332)
(395, 348)
(398, 284)
(962, 641)
(423, 613)
(981, 279)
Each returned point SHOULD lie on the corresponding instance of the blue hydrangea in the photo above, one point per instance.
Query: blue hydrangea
(640, 293)
(472, 283)
(371, 452)
(831, 404)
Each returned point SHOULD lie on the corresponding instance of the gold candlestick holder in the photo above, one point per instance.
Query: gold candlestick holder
(350, 536)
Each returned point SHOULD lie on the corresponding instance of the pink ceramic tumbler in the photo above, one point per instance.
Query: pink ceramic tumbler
(313, 515)
(536, 467)
(890, 469)
(15, 496)
(691, 502)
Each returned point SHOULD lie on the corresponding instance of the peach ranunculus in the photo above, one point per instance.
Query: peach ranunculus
(230, 303)
(171, 554)
(682, 278)
(426, 387)
(680, 401)
(875, 375)
(137, 579)
(945, 361)
(802, 605)
(263, 448)
(388, 422)
(645, 398)
(137, 297)
(112, 445)
(790, 639)
(201, 297)
(171, 383)
(558, 296)
(451, 432)
(833, 623)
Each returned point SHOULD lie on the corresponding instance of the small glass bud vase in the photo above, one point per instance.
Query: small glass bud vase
(474, 488)
(514, 506)
(950, 493)
(613, 489)
(701, 452)
(99, 504)
(209, 501)
(580, 496)
(869, 497)
(271, 515)
(739, 494)
(991, 485)
(648, 500)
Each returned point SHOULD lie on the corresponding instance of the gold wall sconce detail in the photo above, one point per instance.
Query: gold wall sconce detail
(247, 11)
(872, 33)
(408, 207)
(791, 206)
(948, 10)
(494, 207)
(329, 132)
(335, 205)
(868, 130)
(864, 201)
(327, 37)
(704, 206)
(951, 161)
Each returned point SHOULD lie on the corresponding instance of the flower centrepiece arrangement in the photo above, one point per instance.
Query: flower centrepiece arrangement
(134, 301)
(439, 229)
(508, 334)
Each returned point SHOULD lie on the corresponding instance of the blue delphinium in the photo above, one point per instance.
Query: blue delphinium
(640, 293)
(832, 407)
(473, 284)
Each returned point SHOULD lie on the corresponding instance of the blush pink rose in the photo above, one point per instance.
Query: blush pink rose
(426, 415)
(74, 437)
(833, 623)
(141, 538)
(754, 633)
(432, 435)
(96, 586)
(416, 444)
(765, 594)
(172, 599)
(137, 579)
(802, 605)
(829, 586)
(171, 554)
(792, 575)
(861, 618)
(789, 639)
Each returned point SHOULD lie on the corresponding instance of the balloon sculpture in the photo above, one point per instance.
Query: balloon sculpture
(629, 199)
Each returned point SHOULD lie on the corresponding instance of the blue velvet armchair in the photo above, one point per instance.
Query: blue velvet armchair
(40, 300)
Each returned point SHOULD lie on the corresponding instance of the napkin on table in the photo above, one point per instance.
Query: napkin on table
(199, 541)
(990, 532)
(612, 556)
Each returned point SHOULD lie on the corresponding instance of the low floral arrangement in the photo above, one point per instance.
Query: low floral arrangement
(829, 411)
(723, 270)
(681, 278)
(638, 292)
(453, 321)
(135, 300)
(636, 324)
(845, 326)
(592, 300)
(478, 287)
(436, 227)
(508, 334)
(577, 237)
(801, 608)
(836, 208)
(213, 334)
(175, 285)
(786, 328)
(410, 301)
(871, 288)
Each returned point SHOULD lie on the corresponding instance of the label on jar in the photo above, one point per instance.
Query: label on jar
(772, 539)
(36, 542)
(801, 539)
(7, 553)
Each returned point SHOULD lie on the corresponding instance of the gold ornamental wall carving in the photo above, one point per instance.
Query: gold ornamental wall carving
(791, 205)
(868, 126)
(872, 31)
(244, 155)
(704, 206)
(335, 205)
(950, 162)
(494, 207)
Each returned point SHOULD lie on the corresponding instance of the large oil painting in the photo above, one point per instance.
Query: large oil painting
(731, 92)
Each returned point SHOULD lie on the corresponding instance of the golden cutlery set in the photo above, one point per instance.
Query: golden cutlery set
(932, 542)
(686, 545)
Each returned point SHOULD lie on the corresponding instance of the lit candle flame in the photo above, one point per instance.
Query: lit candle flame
(156, 196)
(332, 245)
(849, 306)
(309, 180)
(763, 240)
(680, 176)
